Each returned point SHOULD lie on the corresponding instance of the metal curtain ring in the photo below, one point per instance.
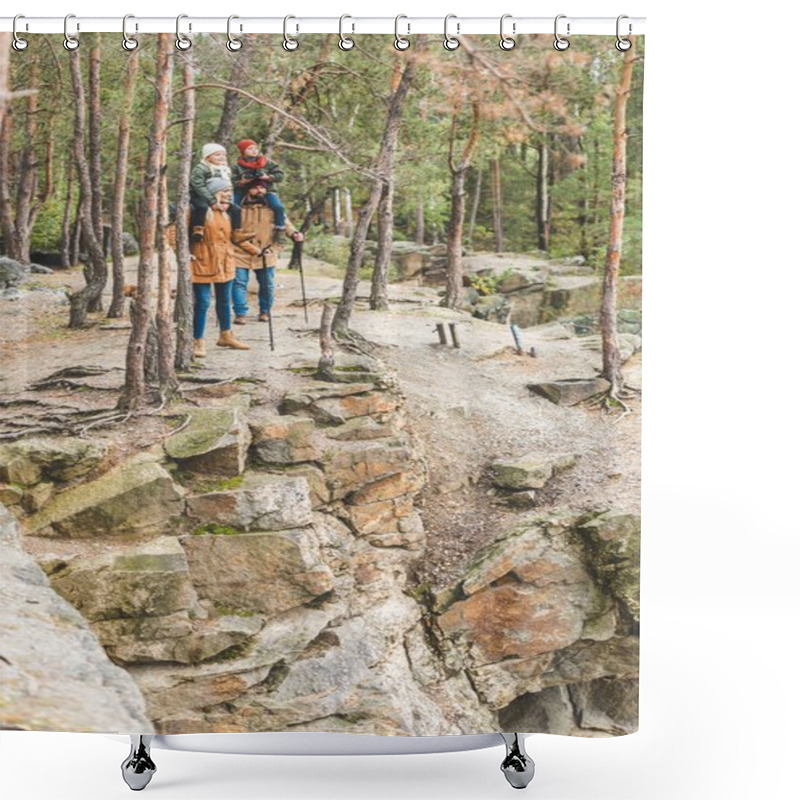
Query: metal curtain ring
(623, 44)
(233, 44)
(559, 43)
(289, 42)
(450, 42)
(70, 42)
(128, 42)
(400, 42)
(181, 42)
(345, 43)
(18, 43)
(507, 42)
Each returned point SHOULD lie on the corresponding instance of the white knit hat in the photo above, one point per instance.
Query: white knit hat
(208, 149)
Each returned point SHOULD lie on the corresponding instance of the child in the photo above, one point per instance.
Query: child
(254, 168)
(213, 164)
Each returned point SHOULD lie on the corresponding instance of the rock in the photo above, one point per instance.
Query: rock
(547, 711)
(174, 638)
(130, 246)
(38, 269)
(136, 497)
(522, 500)
(54, 675)
(607, 706)
(12, 272)
(214, 442)
(571, 391)
(518, 282)
(552, 331)
(528, 472)
(11, 293)
(493, 307)
(264, 572)
(59, 459)
(147, 580)
(352, 465)
(283, 440)
(318, 491)
(263, 502)
(37, 497)
(338, 405)
(360, 429)
(10, 495)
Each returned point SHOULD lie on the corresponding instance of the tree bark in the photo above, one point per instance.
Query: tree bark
(379, 295)
(5, 64)
(454, 284)
(543, 199)
(240, 63)
(497, 205)
(384, 165)
(476, 202)
(612, 369)
(326, 360)
(167, 380)
(183, 297)
(95, 299)
(66, 227)
(95, 268)
(118, 203)
(134, 393)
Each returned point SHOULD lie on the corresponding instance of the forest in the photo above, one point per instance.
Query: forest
(476, 150)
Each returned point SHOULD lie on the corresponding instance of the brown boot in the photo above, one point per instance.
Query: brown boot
(263, 317)
(199, 350)
(240, 319)
(227, 339)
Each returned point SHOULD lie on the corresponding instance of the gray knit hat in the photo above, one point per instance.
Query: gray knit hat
(218, 184)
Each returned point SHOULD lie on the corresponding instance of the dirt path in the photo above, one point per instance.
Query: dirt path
(468, 406)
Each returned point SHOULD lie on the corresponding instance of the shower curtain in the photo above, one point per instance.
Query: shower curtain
(321, 385)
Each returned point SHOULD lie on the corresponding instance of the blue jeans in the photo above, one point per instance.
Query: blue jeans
(202, 302)
(266, 289)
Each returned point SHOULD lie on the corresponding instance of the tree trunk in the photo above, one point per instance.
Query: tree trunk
(612, 369)
(454, 288)
(348, 213)
(96, 266)
(476, 202)
(66, 238)
(379, 296)
(543, 199)
(95, 300)
(167, 381)
(497, 205)
(338, 225)
(134, 393)
(183, 297)
(419, 233)
(5, 64)
(118, 202)
(326, 359)
(240, 63)
(384, 164)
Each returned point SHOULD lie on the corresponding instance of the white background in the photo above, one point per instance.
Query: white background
(720, 604)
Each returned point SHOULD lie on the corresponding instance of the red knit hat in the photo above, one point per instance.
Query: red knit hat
(244, 144)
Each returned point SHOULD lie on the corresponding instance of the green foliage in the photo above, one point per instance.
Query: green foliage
(487, 283)
(216, 529)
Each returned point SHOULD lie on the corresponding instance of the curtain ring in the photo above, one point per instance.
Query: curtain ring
(450, 42)
(70, 42)
(182, 42)
(400, 42)
(623, 44)
(129, 43)
(345, 43)
(18, 43)
(233, 44)
(507, 42)
(289, 42)
(559, 43)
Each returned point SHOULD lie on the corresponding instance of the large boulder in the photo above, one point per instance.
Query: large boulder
(137, 497)
(59, 459)
(146, 580)
(54, 675)
(264, 572)
(283, 440)
(570, 391)
(214, 442)
(531, 471)
(12, 272)
(262, 502)
(350, 466)
(334, 405)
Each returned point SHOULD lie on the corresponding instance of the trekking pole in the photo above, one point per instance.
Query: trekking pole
(297, 253)
(269, 315)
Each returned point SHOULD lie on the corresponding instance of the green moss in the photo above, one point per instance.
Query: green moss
(230, 611)
(215, 529)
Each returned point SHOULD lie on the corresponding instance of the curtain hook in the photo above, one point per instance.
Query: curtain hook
(70, 42)
(345, 43)
(400, 42)
(289, 42)
(182, 42)
(623, 44)
(507, 42)
(233, 44)
(450, 42)
(560, 43)
(18, 43)
(129, 43)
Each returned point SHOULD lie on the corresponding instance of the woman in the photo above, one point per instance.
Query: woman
(213, 263)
